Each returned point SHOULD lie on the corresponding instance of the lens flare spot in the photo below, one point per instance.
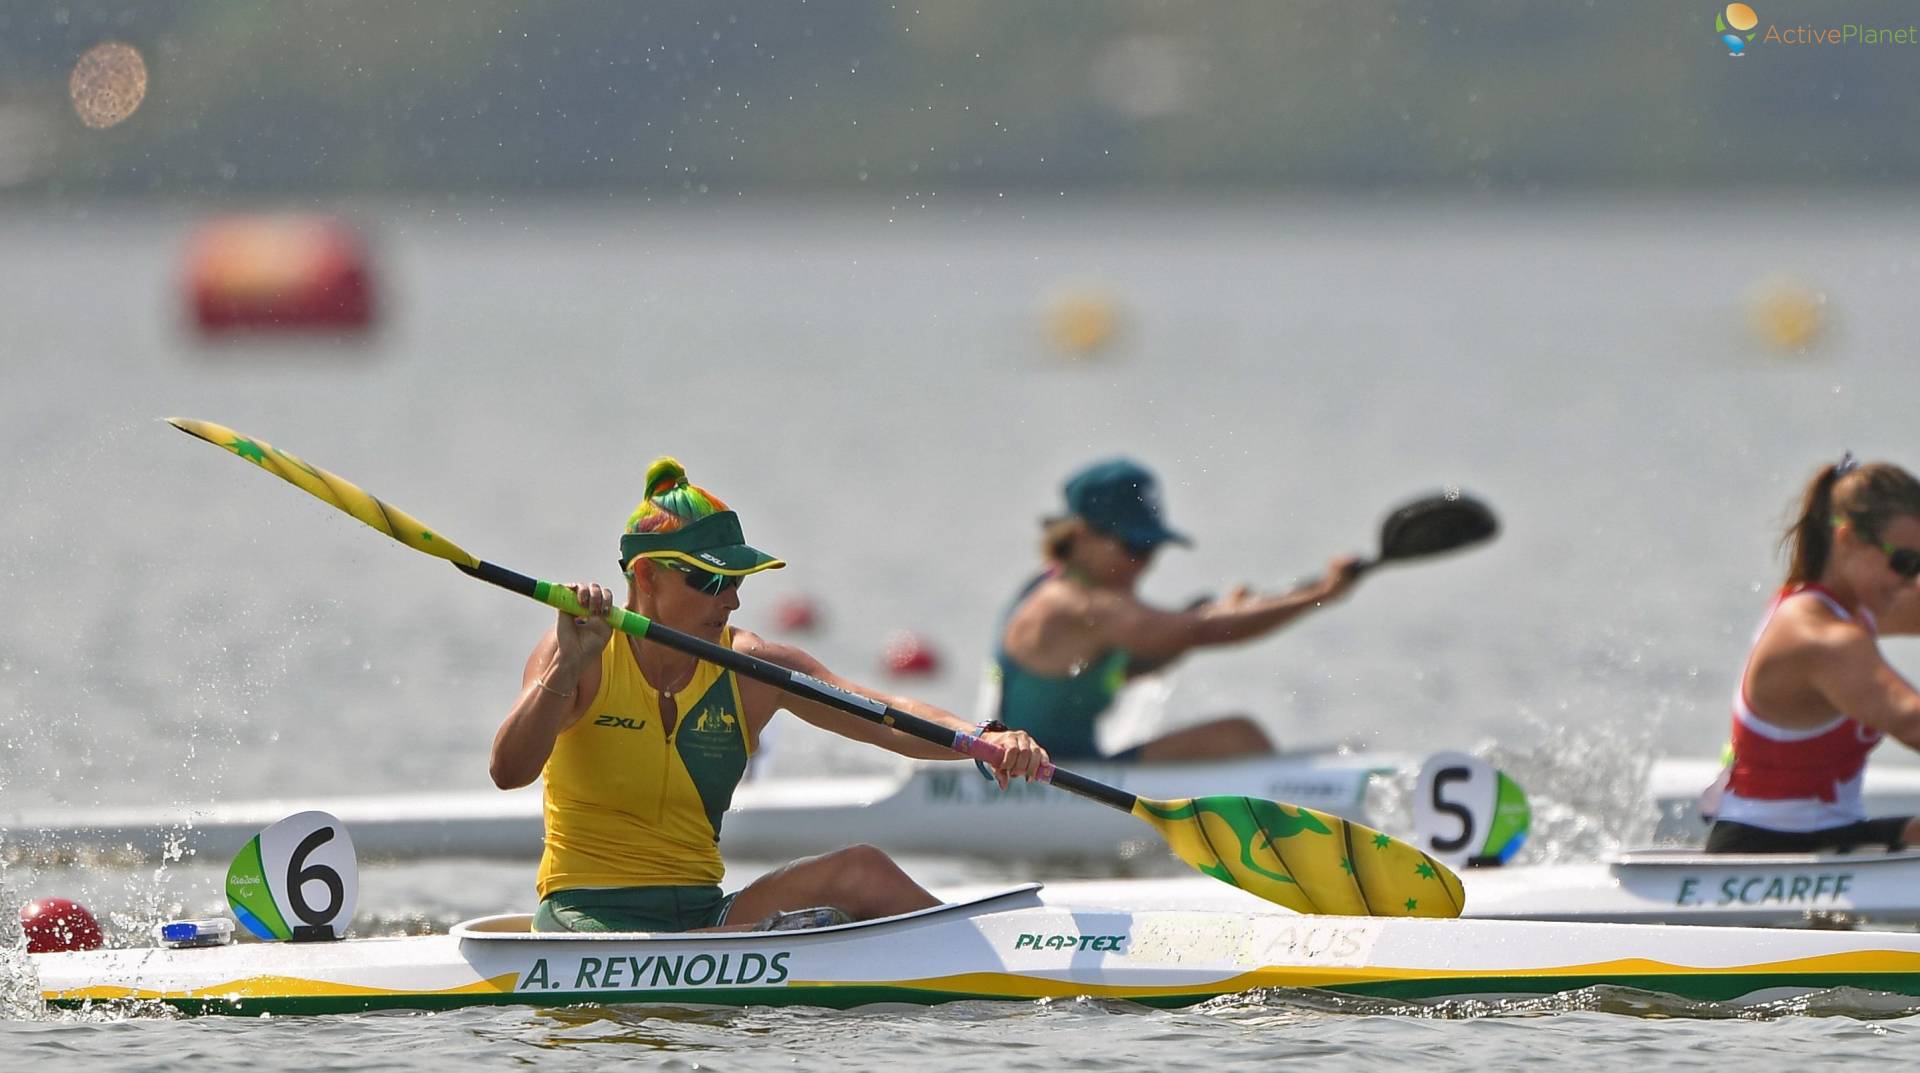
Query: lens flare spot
(108, 83)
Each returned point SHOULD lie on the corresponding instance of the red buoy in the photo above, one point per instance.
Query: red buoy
(279, 273)
(55, 925)
(907, 653)
(796, 614)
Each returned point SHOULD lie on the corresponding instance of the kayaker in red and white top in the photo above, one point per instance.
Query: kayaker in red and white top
(1817, 695)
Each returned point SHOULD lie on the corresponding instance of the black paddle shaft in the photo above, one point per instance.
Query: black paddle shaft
(805, 685)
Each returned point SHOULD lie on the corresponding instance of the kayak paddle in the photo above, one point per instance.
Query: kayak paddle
(1431, 525)
(1442, 522)
(1304, 860)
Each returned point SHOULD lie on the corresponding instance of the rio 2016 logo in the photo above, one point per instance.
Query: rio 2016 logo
(1733, 22)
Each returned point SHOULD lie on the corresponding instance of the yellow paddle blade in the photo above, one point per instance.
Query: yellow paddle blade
(1305, 860)
(328, 488)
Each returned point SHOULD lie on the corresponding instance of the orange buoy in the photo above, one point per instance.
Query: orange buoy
(909, 654)
(56, 925)
(797, 614)
(279, 273)
(1081, 319)
(1787, 314)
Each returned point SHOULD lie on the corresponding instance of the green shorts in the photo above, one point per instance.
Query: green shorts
(632, 909)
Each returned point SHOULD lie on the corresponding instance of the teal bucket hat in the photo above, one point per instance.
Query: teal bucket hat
(1119, 497)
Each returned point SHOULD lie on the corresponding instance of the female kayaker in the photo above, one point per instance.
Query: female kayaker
(640, 746)
(1077, 632)
(1816, 695)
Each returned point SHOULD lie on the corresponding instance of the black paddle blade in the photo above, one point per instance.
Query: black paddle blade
(1445, 521)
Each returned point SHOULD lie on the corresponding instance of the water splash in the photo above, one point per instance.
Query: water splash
(1251, 1006)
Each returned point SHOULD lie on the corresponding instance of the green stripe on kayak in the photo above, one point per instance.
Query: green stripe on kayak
(1702, 987)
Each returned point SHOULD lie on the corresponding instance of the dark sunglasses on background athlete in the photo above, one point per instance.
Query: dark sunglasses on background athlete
(1139, 551)
(702, 580)
(1903, 561)
(1133, 550)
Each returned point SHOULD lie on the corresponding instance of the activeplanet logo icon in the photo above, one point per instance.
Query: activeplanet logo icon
(1731, 23)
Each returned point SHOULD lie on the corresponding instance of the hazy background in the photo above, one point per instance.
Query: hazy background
(711, 101)
(1323, 257)
(1350, 252)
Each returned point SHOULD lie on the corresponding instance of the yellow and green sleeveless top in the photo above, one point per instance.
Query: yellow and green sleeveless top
(629, 804)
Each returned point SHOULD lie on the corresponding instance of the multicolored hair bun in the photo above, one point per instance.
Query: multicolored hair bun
(672, 502)
(680, 520)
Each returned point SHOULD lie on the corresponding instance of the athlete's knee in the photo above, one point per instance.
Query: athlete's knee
(858, 871)
(864, 862)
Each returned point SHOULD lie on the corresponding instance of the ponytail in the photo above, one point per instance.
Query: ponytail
(1867, 497)
(1809, 539)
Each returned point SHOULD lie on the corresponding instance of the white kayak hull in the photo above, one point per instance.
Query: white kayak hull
(1013, 945)
(1690, 887)
(1675, 785)
(932, 808)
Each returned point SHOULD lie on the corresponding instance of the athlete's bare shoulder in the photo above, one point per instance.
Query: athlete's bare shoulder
(1812, 623)
(745, 642)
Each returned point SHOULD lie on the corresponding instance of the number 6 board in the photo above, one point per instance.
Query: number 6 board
(295, 880)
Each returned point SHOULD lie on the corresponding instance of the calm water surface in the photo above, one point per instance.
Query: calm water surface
(868, 385)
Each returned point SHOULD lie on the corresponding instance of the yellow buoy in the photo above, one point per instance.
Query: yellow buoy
(1081, 319)
(1786, 314)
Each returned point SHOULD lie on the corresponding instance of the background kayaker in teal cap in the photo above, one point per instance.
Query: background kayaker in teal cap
(1076, 633)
